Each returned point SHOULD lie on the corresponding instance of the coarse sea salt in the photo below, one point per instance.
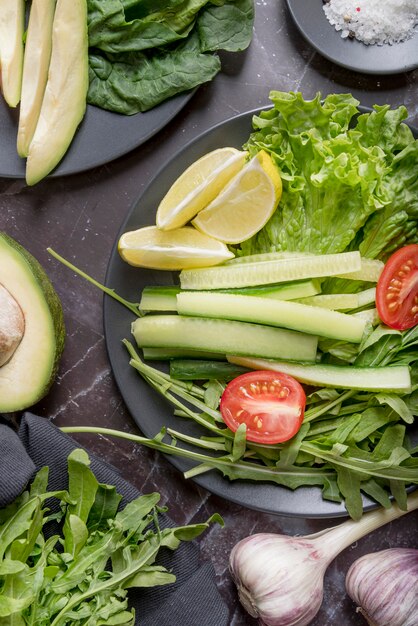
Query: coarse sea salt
(374, 21)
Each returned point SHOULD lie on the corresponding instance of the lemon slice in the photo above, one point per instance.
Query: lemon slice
(198, 186)
(245, 204)
(171, 250)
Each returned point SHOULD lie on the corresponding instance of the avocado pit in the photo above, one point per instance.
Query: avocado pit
(12, 325)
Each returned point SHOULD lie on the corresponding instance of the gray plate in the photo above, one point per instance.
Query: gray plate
(102, 137)
(351, 53)
(149, 410)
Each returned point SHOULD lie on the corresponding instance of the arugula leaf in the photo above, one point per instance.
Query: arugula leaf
(104, 507)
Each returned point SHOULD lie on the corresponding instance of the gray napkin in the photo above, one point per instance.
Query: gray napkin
(193, 600)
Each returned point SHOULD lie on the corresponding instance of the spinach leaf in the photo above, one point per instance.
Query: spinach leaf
(109, 29)
(143, 52)
(227, 26)
(136, 81)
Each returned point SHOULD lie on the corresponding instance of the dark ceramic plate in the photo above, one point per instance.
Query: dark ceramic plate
(102, 137)
(351, 53)
(149, 410)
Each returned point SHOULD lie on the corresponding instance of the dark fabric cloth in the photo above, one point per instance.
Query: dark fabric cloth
(193, 600)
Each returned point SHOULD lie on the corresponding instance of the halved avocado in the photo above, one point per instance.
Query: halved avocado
(65, 98)
(12, 26)
(35, 70)
(28, 374)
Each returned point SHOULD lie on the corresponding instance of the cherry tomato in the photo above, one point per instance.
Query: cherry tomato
(271, 404)
(397, 289)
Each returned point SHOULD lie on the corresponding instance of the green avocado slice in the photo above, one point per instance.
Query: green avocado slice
(35, 70)
(12, 25)
(64, 102)
(27, 375)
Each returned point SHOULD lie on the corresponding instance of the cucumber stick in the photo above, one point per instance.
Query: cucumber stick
(369, 270)
(159, 298)
(188, 369)
(223, 336)
(282, 291)
(266, 272)
(156, 298)
(342, 301)
(166, 354)
(334, 301)
(285, 314)
(396, 379)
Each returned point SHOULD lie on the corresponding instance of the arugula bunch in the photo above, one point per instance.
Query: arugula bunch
(351, 442)
(82, 572)
(145, 51)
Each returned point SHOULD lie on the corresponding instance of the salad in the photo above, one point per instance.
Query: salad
(349, 201)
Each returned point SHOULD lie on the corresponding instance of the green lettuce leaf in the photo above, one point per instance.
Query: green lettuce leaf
(349, 181)
(331, 182)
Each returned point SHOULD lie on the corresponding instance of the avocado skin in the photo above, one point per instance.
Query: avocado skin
(55, 307)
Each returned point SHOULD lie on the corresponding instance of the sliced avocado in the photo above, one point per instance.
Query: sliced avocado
(12, 26)
(28, 374)
(35, 70)
(64, 101)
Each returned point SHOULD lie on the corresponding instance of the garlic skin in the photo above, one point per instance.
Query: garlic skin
(385, 586)
(279, 578)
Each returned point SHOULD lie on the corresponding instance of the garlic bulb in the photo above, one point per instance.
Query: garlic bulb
(280, 579)
(277, 572)
(385, 586)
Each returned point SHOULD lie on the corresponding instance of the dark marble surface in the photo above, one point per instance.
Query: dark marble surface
(79, 216)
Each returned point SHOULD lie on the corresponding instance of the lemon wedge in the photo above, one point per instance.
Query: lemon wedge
(178, 249)
(199, 184)
(245, 205)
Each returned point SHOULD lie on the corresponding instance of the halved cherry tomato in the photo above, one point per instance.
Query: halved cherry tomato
(271, 404)
(397, 289)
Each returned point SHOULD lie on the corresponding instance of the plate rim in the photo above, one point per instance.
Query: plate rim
(301, 25)
(178, 462)
(174, 104)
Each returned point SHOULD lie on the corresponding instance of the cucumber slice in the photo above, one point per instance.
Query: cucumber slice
(166, 354)
(266, 272)
(159, 298)
(396, 379)
(187, 369)
(369, 271)
(293, 315)
(224, 336)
